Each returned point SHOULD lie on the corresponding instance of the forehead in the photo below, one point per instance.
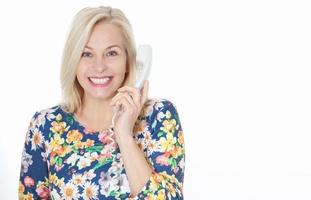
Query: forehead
(104, 35)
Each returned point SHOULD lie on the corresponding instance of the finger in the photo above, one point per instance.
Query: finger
(130, 100)
(145, 92)
(116, 98)
(135, 92)
(125, 104)
(132, 89)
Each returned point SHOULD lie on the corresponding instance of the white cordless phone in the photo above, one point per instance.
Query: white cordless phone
(143, 66)
(143, 62)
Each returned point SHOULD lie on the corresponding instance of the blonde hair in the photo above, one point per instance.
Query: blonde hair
(80, 31)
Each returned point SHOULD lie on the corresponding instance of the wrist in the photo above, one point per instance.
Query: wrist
(124, 138)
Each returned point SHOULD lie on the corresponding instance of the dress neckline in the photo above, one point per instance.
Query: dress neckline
(84, 127)
(89, 130)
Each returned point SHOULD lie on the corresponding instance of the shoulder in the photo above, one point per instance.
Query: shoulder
(156, 109)
(42, 116)
(154, 105)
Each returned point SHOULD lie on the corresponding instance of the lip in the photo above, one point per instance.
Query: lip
(100, 85)
(99, 76)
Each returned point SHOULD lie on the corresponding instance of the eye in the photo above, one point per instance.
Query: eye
(112, 53)
(86, 54)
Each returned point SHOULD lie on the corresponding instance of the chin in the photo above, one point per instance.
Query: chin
(101, 95)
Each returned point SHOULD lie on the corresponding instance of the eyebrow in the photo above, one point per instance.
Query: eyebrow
(109, 47)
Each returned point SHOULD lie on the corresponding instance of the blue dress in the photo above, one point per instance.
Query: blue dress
(62, 159)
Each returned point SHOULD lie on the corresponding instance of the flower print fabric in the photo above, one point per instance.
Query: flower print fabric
(62, 159)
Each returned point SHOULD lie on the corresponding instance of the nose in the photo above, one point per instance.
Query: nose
(99, 64)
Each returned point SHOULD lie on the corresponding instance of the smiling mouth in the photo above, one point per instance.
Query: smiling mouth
(100, 82)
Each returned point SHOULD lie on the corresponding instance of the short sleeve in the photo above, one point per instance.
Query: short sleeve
(166, 155)
(33, 182)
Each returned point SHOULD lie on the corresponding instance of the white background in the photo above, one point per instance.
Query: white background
(238, 72)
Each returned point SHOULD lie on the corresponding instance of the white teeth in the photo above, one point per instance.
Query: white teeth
(100, 80)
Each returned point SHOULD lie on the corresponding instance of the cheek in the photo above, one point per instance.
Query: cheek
(81, 75)
(120, 67)
(120, 72)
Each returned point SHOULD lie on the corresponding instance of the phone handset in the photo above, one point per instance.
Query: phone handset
(143, 64)
(143, 68)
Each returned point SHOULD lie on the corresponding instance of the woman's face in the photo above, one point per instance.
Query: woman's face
(102, 66)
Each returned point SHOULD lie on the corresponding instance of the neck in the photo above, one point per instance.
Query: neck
(95, 113)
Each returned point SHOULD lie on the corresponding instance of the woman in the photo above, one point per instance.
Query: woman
(70, 150)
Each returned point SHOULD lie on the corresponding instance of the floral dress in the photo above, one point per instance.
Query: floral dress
(62, 159)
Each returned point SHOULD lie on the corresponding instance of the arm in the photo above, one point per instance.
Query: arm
(33, 182)
(161, 175)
